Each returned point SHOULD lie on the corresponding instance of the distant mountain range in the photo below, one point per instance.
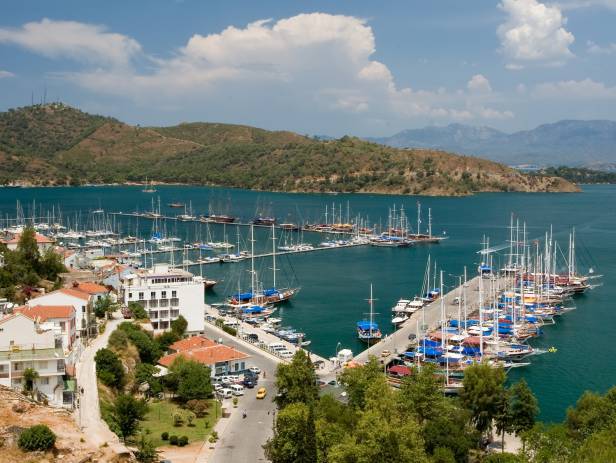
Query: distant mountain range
(568, 142)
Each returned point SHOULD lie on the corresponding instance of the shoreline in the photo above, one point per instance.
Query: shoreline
(330, 193)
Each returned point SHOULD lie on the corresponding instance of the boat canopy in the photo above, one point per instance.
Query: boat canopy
(253, 309)
(270, 292)
(432, 351)
(429, 343)
(367, 326)
(242, 296)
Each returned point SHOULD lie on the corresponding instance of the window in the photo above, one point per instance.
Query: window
(43, 381)
(63, 326)
(60, 365)
(18, 366)
(174, 294)
(153, 295)
(83, 309)
(140, 295)
(130, 295)
(163, 294)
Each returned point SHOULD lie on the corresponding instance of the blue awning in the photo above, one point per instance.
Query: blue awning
(367, 326)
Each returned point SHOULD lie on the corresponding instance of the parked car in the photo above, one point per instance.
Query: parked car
(217, 387)
(255, 370)
(249, 383)
(253, 337)
(237, 389)
(261, 393)
(225, 393)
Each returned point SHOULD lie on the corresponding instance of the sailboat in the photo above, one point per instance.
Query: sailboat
(187, 216)
(272, 295)
(367, 330)
(148, 188)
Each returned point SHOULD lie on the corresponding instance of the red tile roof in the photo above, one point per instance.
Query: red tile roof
(206, 355)
(191, 343)
(46, 312)
(40, 239)
(74, 293)
(91, 288)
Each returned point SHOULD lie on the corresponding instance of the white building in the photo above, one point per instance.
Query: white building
(166, 294)
(25, 343)
(81, 301)
(59, 318)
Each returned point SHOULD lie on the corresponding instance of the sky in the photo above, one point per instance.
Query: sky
(360, 67)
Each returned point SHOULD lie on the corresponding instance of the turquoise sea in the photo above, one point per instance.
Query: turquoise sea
(335, 283)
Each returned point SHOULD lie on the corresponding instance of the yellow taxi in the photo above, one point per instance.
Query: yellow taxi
(261, 393)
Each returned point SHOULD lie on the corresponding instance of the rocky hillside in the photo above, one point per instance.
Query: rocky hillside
(58, 145)
(18, 412)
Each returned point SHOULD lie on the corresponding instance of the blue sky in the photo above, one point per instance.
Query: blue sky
(319, 67)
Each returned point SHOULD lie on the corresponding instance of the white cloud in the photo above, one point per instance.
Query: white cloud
(70, 39)
(595, 49)
(534, 33)
(310, 65)
(479, 84)
(5, 74)
(585, 90)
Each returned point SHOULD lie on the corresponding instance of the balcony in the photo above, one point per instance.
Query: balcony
(153, 303)
(175, 314)
(164, 303)
(175, 302)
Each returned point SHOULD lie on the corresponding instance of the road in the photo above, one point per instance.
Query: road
(242, 439)
(88, 415)
(431, 315)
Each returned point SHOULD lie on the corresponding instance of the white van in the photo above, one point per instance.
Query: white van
(225, 393)
(237, 389)
(277, 346)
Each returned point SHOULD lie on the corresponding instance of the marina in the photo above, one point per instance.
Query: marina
(335, 285)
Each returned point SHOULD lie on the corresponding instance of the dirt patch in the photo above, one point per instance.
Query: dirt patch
(18, 412)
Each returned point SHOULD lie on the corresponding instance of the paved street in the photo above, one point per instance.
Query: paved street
(241, 439)
(88, 414)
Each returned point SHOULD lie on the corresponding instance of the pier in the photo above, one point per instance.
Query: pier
(398, 341)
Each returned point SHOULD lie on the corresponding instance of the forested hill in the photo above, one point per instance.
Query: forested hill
(55, 144)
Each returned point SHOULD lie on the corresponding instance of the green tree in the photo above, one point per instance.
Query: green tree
(30, 376)
(164, 340)
(523, 407)
(193, 379)
(482, 394)
(146, 451)
(51, 265)
(451, 431)
(356, 381)
(137, 311)
(126, 412)
(109, 368)
(144, 373)
(102, 307)
(179, 325)
(27, 249)
(293, 440)
(296, 381)
(502, 417)
(421, 394)
(149, 351)
(592, 412)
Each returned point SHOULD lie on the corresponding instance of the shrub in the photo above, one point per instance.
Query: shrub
(38, 437)
(190, 418)
(198, 407)
(109, 368)
(164, 436)
(182, 441)
(235, 402)
(173, 440)
(178, 420)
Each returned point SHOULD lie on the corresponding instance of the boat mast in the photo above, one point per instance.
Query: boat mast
(371, 310)
(252, 260)
(274, 253)
(430, 222)
(418, 217)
